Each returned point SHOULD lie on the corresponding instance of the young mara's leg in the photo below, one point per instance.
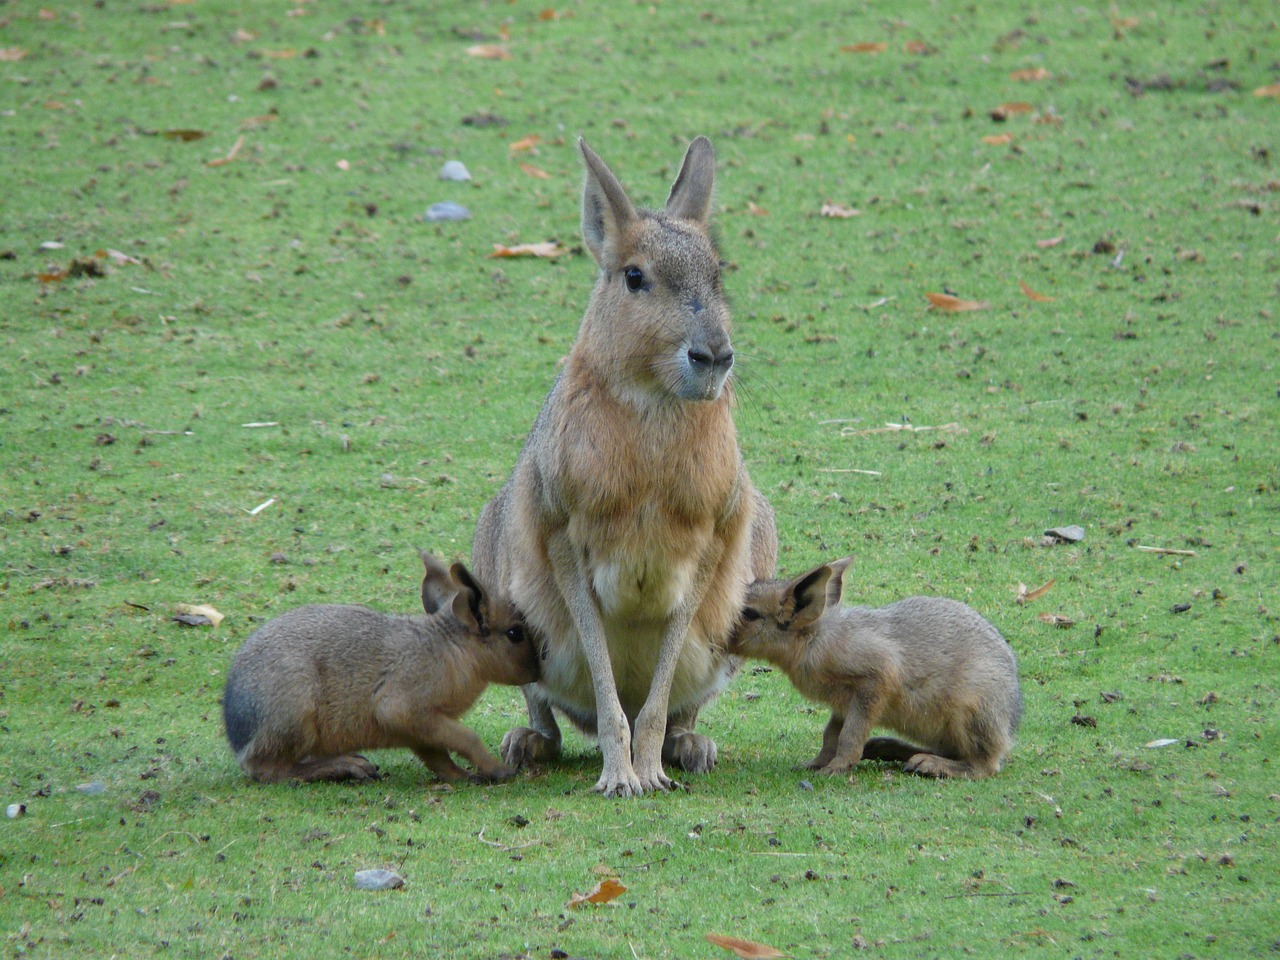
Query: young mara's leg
(866, 703)
(439, 733)
(889, 748)
(682, 747)
(536, 742)
(830, 738)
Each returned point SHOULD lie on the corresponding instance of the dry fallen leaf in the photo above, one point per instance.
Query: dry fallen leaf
(604, 891)
(200, 610)
(1026, 596)
(489, 51)
(839, 211)
(549, 249)
(1014, 107)
(286, 54)
(251, 123)
(1032, 295)
(1031, 74)
(186, 136)
(864, 48)
(1048, 242)
(1056, 619)
(998, 139)
(11, 54)
(755, 210)
(746, 949)
(525, 143)
(231, 154)
(1271, 90)
(115, 256)
(917, 47)
(949, 304)
(536, 172)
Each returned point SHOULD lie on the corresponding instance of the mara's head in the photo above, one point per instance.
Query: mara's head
(505, 650)
(658, 311)
(778, 616)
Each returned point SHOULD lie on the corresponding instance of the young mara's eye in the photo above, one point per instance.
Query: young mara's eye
(749, 614)
(634, 277)
(516, 634)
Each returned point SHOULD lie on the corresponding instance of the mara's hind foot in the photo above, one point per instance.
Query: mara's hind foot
(890, 748)
(524, 745)
(691, 752)
(348, 766)
(932, 765)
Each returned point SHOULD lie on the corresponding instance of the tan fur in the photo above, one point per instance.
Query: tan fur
(930, 668)
(313, 686)
(629, 529)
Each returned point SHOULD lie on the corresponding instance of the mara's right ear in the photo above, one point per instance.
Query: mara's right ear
(438, 587)
(809, 595)
(606, 211)
(690, 197)
(468, 602)
(835, 585)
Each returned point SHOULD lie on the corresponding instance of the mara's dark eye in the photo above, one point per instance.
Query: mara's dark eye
(516, 634)
(634, 277)
(748, 614)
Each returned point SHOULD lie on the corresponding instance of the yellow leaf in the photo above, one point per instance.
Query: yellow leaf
(745, 949)
(602, 892)
(489, 51)
(1031, 74)
(839, 211)
(864, 48)
(1032, 295)
(201, 610)
(949, 304)
(548, 249)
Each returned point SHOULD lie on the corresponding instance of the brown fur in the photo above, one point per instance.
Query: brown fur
(629, 529)
(317, 684)
(930, 668)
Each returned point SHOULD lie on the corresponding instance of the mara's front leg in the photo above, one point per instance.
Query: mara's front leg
(651, 722)
(618, 778)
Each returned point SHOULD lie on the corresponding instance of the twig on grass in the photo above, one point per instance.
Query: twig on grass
(869, 473)
(1166, 551)
(505, 847)
(957, 896)
(903, 427)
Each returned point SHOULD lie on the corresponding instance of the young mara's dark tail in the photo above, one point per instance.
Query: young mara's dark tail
(239, 713)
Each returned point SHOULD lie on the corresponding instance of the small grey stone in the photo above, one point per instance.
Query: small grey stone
(806, 785)
(378, 880)
(446, 210)
(92, 788)
(15, 810)
(455, 170)
(1071, 534)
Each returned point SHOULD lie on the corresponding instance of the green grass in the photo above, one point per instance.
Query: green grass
(403, 368)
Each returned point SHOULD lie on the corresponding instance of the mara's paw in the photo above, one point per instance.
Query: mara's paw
(524, 745)
(619, 783)
(691, 752)
(347, 767)
(495, 774)
(931, 765)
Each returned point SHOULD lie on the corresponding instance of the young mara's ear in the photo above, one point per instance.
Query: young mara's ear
(438, 587)
(606, 211)
(468, 604)
(835, 585)
(691, 193)
(809, 593)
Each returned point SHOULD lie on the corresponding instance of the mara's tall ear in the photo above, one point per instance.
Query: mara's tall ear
(690, 197)
(438, 587)
(606, 211)
(809, 596)
(835, 585)
(468, 604)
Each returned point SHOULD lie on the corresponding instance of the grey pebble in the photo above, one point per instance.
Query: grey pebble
(92, 788)
(447, 210)
(806, 785)
(378, 880)
(455, 170)
(15, 810)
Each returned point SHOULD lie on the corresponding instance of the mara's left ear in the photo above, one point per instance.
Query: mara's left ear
(809, 593)
(690, 197)
(438, 587)
(835, 585)
(468, 603)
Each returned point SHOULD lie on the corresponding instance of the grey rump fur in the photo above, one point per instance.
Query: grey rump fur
(929, 668)
(315, 685)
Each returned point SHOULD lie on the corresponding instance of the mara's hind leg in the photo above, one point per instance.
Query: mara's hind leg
(975, 749)
(349, 766)
(889, 748)
(682, 747)
(830, 741)
(438, 761)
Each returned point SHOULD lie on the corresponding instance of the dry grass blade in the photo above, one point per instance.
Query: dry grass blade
(746, 949)
(1032, 295)
(864, 48)
(489, 51)
(1027, 596)
(949, 304)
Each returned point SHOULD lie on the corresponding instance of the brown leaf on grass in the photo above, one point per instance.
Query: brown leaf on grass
(489, 51)
(116, 257)
(755, 210)
(949, 304)
(186, 136)
(839, 211)
(288, 53)
(11, 54)
(46, 14)
(1048, 242)
(252, 123)
(1271, 90)
(998, 139)
(1027, 596)
(243, 36)
(603, 892)
(525, 143)
(746, 949)
(1032, 295)
(231, 154)
(553, 14)
(1056, 620)
(1030, 75)
(535, 172)
(549, 249)
(864, 48)
(918, 48)
(1015, 107)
